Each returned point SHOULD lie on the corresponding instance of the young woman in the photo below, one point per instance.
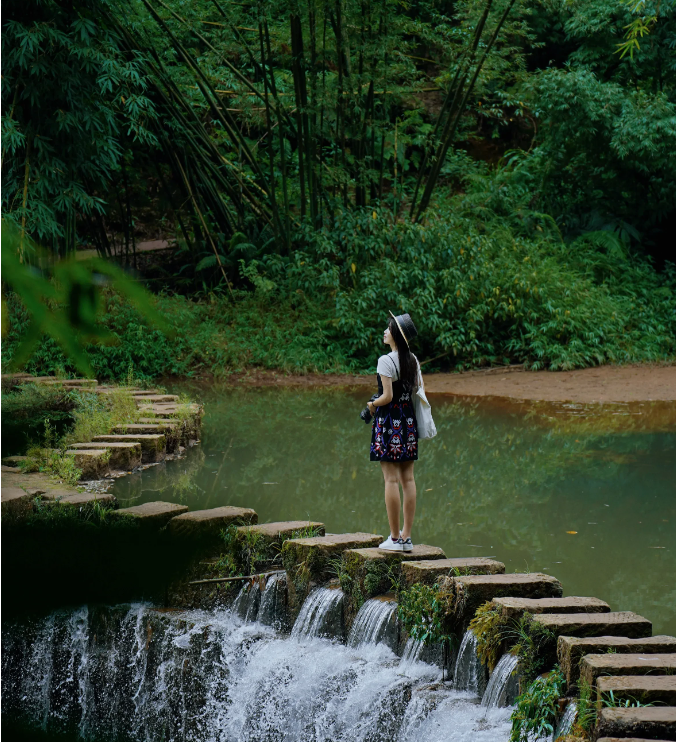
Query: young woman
(394, 439)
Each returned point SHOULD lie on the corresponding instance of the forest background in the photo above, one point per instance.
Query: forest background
(504, 170)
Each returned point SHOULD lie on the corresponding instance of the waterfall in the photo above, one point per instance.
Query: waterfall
(468, 665)
(412, 651)
(497, 689)
(321, 615)
(134, 673)
(375, 623)
(566, 722)
(247, 601)
(273, 601)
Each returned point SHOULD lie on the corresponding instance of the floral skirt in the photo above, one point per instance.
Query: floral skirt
(395, 433)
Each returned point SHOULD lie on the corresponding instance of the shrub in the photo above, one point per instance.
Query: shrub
(536, 708)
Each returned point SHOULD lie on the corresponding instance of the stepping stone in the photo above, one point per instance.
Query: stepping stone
(311, 556)
(123, 456)
(621, 623)
(645, 689)
(514, 607)
(284, 530)
(371, 570)
(571, 650)
(84, 499)
(624, 739)
(170, 430)
(155, 397)
(428, 571)
(205, 526)
(15, 502)
(475, 590)
(593, 665)
(58, 494)
(153, 445)
(10, 469)
(93, 462)
(651, 722)
(13, 461)
(156, 514)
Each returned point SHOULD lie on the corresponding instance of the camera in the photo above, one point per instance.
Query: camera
(365, 414)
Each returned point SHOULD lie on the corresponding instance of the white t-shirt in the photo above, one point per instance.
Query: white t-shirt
(389, 366)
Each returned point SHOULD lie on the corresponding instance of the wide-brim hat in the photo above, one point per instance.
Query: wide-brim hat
(406, 326)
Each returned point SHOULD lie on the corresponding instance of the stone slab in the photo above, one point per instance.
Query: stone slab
(153, 445)
(10, 469)
(13, 460)
(593, 665)
(57, 493)
(314, 553)
(93, 462)
(283, 530)
(170, 430)
(156, 514)
(514, 607)
(475, 590)
(646, 689)
(620, 623)
(155, 397)
(206, 525)
(15, 501)
(571, 650)
(627, 739)
(420, 551)
(123, 455)
(84, 499)
(651, 722)
(428, 571)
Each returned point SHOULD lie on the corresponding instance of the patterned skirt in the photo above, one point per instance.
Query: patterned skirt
(395, 433)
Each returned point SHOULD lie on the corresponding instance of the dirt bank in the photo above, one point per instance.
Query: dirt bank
(637, 383)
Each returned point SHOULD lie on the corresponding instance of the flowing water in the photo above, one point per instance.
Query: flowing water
(320, 615)
(136, 673)
(501, 683)
(540, 486)
(468, 667)
(566, 722)
(376, 623)
(272, 601)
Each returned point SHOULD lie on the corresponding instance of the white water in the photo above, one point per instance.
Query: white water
(566, 722)
(412, 651)
(134, 673)
(375, 622)
(319, 614)
(468, 665)
(496, 689)
(272, 601)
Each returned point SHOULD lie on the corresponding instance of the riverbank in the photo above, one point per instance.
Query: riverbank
(632, 383)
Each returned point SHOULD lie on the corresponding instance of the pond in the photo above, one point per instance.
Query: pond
(582, 492)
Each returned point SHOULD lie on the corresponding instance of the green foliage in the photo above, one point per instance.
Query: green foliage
(424, 612)
(50, 460)
(535, 646)
(536, 708)
(489, 627)
(97, 414)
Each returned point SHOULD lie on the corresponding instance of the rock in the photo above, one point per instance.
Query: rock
(15, 502)
(57, 494)
(593, 665)
(13, 461)
(93, 462)
(10, 469)
(145, 398)
(170, 430)
(514, 607)
(570, 650)
(651, 722)
(123, 456)
(427, 572)
(83, 500)
(284, 529)
(154, 514)
(660, 690)
(205, 526)
(475, 590)
(620, 623)
(153, 445)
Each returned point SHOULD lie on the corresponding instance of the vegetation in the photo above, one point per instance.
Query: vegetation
(425, 612)
(537, 707)
(503, 171)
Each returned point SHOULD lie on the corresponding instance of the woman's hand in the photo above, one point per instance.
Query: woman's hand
(372, 407)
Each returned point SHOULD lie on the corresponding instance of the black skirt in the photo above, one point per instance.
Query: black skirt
(394, 436)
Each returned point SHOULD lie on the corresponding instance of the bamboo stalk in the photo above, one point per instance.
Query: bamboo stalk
(234, 579)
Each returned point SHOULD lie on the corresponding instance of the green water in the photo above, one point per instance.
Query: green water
(501, 479)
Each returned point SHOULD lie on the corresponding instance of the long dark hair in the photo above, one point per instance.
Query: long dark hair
(408, 366)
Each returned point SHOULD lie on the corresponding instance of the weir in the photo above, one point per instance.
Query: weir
(375, 623)
(321, 615)
(468, 668)
(502, 683)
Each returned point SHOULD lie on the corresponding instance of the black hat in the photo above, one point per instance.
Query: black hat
(406, 326)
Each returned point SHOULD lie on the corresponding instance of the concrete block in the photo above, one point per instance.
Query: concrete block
(153, 514)
(170, 430)
(93, 462)
(620, 623)
(123, 456)
(15, 502)
(428, 572)
(83, 500)
(651, 722)
(153, 445)
(571, 650)
(514, 607)
(594, 665)
(646, 689)
(283, 530)
(205, 526)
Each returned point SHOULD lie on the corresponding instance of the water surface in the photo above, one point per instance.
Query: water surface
(583, 492)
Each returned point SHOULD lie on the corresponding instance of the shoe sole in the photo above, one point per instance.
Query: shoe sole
(386, 548)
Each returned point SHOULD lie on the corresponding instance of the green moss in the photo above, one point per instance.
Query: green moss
(489, 627)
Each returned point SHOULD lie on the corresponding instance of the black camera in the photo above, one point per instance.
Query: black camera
(365, 414)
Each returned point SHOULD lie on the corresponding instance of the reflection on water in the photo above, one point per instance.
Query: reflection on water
(503, 479)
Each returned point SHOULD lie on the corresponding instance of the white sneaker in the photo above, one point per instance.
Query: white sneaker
(407, 544)
(391, 544)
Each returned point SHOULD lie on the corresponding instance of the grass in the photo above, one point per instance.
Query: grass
(536, 708)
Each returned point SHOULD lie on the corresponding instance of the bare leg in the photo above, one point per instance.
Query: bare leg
(392, 499)
(408, 487)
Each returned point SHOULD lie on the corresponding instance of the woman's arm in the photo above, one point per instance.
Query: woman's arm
(385, 397)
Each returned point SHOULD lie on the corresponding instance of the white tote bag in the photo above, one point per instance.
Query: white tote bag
(423, 411)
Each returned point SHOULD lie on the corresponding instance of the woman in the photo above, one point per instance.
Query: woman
(394, 440)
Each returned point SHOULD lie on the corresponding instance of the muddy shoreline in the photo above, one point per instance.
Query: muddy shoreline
(632, 383)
